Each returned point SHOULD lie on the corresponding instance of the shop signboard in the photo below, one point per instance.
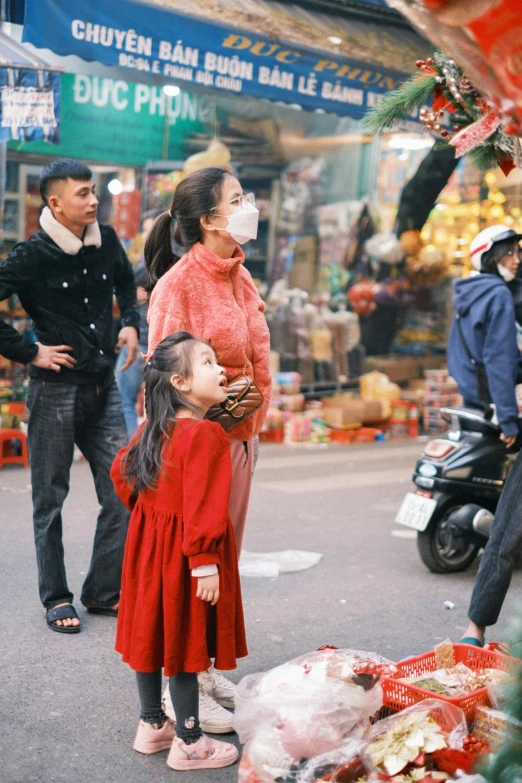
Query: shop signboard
(29, 104)
(114, 121)
(191, 50)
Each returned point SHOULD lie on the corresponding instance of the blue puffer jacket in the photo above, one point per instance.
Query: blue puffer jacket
(487, 317)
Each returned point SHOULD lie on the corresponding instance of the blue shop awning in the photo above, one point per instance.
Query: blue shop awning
(29, 95)
(280, 51)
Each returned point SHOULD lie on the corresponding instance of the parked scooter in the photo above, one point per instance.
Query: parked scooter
(458, 482)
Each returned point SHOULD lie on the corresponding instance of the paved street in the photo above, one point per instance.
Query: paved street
(69, 707)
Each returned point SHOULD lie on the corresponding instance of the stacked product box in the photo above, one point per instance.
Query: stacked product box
(286, 399)
(289, 419)
(440, 391)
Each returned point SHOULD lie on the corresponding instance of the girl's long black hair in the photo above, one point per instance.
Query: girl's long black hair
(173, 356)
(195, 197)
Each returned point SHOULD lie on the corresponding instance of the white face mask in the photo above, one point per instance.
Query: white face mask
(243, 223)
(505, 273)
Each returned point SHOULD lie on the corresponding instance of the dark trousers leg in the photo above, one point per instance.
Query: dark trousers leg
(501, 553)
(149, 689)
(100, 433)
(51, 448)
(184, 692)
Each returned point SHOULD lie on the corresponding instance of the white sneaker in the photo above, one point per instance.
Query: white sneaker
(213, 718)
(219, 687)
(224, 691)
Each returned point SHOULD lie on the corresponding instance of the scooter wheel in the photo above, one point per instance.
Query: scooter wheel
(441, 551)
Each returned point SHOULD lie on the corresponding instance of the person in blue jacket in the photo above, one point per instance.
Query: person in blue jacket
(483, 341)
(483, 338)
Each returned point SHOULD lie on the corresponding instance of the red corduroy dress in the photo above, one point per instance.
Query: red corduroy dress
(180, 525)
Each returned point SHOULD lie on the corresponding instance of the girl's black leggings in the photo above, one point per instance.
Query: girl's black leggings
(184, 692)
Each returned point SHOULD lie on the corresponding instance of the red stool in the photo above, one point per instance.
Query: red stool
(7, 436)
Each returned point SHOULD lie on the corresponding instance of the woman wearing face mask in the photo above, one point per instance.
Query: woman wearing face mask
(483, 356)
(209, 293)
(484, 331)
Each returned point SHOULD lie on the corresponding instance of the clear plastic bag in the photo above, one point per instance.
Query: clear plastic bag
(424, 728)
(271, 564)
(306, 707)
(344, 762)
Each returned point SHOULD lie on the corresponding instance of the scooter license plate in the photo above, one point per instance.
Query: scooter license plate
(416, 511)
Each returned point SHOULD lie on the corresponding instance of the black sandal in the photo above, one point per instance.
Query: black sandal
(67, 612)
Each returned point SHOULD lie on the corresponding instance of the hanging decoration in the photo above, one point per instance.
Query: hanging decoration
(459, 114)
(427, 267)
(484, 37)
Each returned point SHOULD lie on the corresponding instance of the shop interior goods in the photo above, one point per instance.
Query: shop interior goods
(375, 409)
(440, 391)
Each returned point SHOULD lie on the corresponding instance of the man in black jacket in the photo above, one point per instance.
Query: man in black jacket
(65, 276)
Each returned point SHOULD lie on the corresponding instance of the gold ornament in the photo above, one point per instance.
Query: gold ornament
(428, 268)
(411, 242)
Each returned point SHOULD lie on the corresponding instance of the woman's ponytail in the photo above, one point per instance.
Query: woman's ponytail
(196, 196)
(159, 256)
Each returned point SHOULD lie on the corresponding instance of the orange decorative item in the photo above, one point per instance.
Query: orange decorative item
(411, 242)
(7, 438)
(361, 297)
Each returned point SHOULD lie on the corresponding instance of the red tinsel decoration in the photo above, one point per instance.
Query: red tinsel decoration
(450, 760)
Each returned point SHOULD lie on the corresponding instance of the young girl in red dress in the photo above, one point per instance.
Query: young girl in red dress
(180, 600)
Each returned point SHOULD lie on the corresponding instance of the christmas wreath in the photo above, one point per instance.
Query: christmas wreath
(462, 117)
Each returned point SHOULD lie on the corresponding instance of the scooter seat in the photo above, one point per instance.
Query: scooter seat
(470, 419)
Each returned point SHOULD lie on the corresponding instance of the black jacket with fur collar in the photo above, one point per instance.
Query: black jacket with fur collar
(66, 286)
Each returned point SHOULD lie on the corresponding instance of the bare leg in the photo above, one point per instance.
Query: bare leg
(475, 631)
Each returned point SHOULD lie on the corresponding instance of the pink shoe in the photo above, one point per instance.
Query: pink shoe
(151, 740)
(206, 753)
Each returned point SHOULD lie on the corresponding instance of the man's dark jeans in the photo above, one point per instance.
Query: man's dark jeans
(92, 417)
(501, 553)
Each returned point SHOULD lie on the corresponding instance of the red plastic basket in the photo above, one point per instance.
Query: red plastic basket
(399, 695)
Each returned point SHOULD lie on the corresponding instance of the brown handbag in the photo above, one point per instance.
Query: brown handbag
(243, 400)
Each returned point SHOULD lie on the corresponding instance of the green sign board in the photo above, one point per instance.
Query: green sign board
(114, 121)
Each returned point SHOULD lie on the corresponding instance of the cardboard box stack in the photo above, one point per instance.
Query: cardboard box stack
(440, 391)
(285, 401)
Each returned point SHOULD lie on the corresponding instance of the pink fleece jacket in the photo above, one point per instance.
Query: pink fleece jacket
(215, 299)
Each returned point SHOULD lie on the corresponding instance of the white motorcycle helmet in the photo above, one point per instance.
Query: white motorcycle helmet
(485, 240)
